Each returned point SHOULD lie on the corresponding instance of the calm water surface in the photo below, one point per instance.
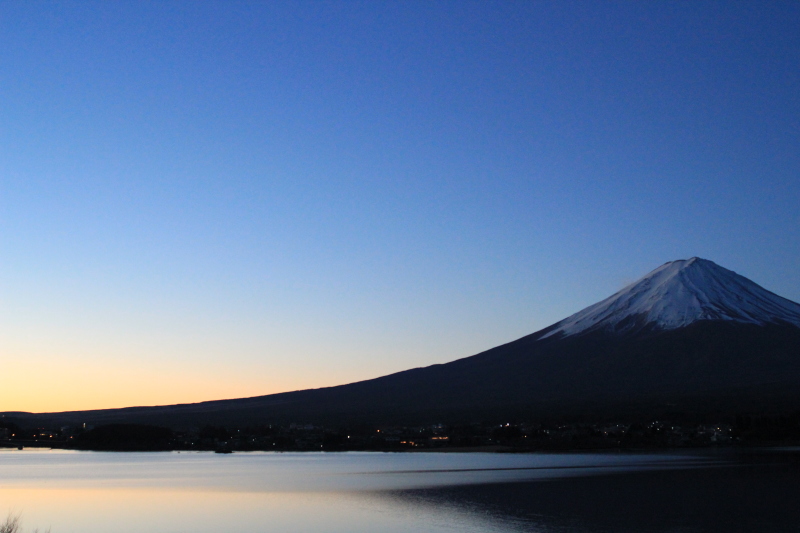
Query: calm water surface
(89, 492)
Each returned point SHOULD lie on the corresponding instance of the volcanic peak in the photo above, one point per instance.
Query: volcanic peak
(677, 294)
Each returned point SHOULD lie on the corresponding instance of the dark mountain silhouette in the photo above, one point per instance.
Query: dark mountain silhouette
(691, 338)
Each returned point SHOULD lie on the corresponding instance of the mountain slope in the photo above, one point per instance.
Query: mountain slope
(690, 337)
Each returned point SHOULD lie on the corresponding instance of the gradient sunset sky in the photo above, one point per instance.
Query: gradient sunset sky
(205, 200)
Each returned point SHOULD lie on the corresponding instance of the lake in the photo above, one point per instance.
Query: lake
(92, 492)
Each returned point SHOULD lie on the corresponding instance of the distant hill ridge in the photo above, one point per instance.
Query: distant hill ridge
(689, 338)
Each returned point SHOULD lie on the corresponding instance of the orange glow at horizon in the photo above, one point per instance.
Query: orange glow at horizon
(87, 364)
(63, 387)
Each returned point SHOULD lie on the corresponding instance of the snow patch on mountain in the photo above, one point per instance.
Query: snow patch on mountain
(679, 293)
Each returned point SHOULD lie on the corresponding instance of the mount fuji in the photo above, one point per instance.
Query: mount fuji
(690, 338)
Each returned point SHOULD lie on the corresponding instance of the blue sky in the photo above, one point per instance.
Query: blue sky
(221, 199)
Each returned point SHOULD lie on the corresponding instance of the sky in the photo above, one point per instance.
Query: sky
(207, 200)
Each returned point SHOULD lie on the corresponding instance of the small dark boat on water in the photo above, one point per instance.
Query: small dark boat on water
(224, 448)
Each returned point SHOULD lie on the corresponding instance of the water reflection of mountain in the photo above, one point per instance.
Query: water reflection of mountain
(759, 493)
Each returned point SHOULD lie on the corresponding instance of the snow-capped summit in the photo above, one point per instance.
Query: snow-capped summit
(677, 294)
